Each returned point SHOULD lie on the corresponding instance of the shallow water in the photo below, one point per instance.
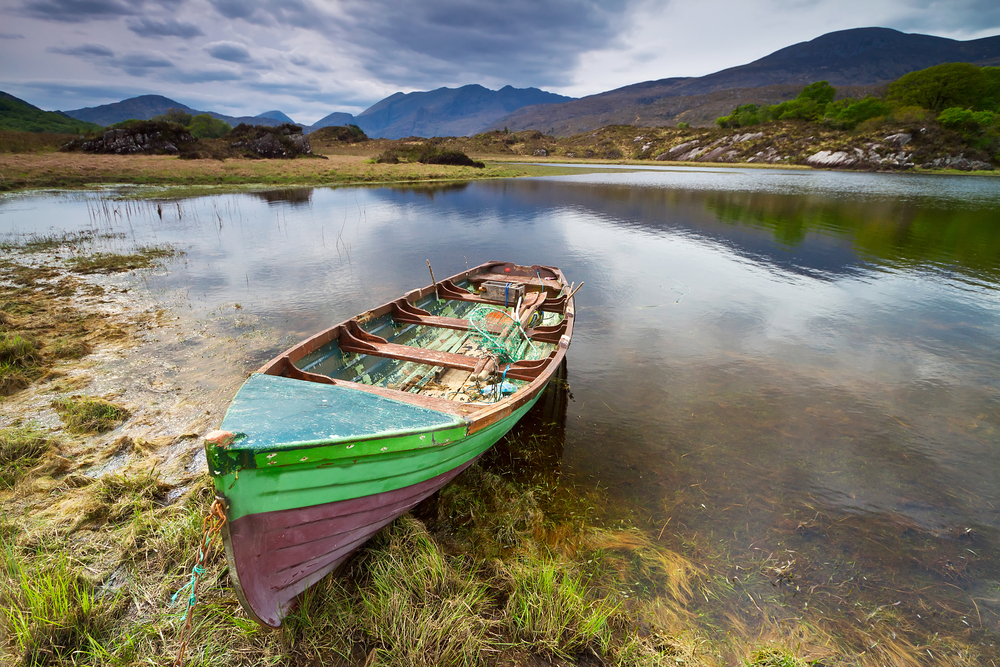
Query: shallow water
(786, 365)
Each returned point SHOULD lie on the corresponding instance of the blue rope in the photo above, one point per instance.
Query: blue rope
(196, 572)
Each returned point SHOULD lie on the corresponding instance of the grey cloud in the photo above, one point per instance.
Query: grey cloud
(146, 27)
(229, 51)
(79, 11)
(11, 35)
(957, 16)
(525, 42)
(76, 11)
(204, 76)
(290, 12)
(84, 51)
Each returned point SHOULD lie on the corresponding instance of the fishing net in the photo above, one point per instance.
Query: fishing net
(490, 324)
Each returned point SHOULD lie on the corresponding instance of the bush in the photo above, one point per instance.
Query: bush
(455, 158)
(848, 114)
(683, 126)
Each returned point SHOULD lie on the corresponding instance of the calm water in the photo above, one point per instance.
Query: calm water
(787, 366)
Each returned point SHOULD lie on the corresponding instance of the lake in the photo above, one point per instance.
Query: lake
(792, 377)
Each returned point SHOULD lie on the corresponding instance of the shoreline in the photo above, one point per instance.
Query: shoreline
(76, 171)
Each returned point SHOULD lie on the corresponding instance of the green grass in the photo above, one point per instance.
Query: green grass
(551, 611)
(773, 657)
(50, 614)
(421, 608)
(85, 414)
(21, 447)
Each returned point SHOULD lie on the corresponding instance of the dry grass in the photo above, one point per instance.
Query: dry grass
(74, 170)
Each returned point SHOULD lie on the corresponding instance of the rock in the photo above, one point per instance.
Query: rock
(899, 140)
(714, 154)
(570, 154)
(962, 163)
(612, 155)
(257, 141)
(145, 137)
(682, 147)
(645, 147)
(540, 152)
(830, 159)
(749, 136)
(690, 155)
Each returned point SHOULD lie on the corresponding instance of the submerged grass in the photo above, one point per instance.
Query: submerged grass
(102, 262)
(87, 414)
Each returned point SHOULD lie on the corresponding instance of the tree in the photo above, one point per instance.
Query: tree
(949, 85)
(204, 126)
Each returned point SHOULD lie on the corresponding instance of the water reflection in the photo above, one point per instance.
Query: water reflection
(778, 364)
(292, 196)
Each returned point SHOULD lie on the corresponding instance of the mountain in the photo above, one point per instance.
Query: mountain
(145, 107)
(336, 118)
(276, 115)
(862, 57)
(16, 114)
(447, 111)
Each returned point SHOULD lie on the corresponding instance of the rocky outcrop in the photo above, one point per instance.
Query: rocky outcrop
(962, 163)
(146, 138)
(283, 142)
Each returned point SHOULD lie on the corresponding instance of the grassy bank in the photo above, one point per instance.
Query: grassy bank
(19, 171)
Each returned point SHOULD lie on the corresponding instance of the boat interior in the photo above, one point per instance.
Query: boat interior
(473, 338)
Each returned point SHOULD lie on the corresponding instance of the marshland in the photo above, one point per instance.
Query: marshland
(775, 440)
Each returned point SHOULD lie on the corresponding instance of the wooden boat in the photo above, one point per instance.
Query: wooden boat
(334, 438)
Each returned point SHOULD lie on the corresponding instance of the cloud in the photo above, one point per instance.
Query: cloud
(76, 11)
(147, 27)
(233, 52)
(11, 35)
(523, 42)
(84, 51)
(959, 17)
(204, 76)
(266, 12)
(80, 11)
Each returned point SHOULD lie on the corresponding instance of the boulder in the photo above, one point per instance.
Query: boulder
(258, 141)
(831, 159)
(962, 163)
(143, 137)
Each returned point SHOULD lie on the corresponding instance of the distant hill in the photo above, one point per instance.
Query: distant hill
(16, 114)
(336, 118)
(275, 115)
(145, 107)
(447, 111)
(864, 57)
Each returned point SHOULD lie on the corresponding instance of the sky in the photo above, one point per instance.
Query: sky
(309, 58)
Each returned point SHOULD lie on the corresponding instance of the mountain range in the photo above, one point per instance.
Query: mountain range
(858, 62)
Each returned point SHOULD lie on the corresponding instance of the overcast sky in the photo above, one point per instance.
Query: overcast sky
(312, 57)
